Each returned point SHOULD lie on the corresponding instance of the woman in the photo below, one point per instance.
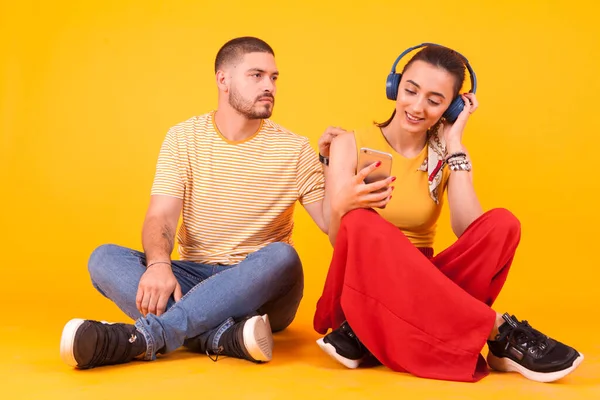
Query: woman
(386, 294)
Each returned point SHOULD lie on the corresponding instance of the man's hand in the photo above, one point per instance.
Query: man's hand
(156, 286)
(327, 137)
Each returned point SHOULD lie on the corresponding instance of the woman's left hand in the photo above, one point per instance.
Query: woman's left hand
(453, 132)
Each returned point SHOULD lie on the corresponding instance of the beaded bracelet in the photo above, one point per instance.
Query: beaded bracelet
(455, 155)
(459, 163)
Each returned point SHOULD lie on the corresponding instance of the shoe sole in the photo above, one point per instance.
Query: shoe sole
(507, 365)
(268, 324)
(329, 349)
(67, 341)
(258, 338)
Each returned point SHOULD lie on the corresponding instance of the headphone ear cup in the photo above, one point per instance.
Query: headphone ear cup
(391, 85)
(455, 109)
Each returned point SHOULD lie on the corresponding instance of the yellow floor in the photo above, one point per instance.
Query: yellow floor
(31, 368)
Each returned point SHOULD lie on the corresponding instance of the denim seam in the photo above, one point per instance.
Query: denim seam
(186, 274)
(149, 341)
(229, 322)
(139, 258)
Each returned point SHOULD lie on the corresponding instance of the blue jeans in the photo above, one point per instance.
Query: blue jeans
(269, 281)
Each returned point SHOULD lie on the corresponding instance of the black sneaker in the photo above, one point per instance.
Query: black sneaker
(520, 348)
(250, 339)
(87, 344)
(343, 345)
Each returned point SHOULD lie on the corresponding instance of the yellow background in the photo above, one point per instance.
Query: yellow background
(88, 89)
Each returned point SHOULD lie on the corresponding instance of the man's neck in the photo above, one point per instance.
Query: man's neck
(234, 126)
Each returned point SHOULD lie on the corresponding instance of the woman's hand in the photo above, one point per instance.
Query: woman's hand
(453, 133)
(357, 194)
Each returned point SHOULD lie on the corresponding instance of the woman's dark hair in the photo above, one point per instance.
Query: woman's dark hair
(441, 57)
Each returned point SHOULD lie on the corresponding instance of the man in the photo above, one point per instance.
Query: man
(234, 177)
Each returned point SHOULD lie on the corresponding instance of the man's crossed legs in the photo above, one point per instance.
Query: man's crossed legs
(225, 310)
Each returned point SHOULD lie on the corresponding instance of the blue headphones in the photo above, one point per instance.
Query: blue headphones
(457, 105)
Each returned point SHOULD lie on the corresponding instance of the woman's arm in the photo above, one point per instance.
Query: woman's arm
(346, 190)
(462, 199)
(342, 164)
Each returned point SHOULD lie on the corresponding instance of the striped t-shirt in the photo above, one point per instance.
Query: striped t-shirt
(237, 196)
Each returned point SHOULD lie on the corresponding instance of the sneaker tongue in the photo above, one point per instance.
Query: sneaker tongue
(511, 322)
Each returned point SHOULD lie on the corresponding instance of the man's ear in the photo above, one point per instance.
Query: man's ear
(222, 79)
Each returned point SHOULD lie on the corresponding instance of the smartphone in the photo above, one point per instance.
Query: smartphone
(367, 156)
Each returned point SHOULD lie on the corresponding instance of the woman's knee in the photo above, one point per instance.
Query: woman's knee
(359, 215)
(505, 220)
(364, 219)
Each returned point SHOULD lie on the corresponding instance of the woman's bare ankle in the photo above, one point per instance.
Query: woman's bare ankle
(499, 321)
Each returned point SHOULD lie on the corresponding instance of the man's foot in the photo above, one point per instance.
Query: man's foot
(343, 345)
(520, 348)
(250, 339)
(87, 344)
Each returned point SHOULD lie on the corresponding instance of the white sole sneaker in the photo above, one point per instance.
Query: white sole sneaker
(507, 365)
(329, 349)
(258, 338)
(67, 341)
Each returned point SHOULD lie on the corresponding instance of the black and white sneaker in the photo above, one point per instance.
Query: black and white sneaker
(250, 339)
(520, 348)
(87, 344)
(343, 346)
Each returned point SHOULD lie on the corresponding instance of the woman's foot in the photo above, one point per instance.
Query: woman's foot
(343, 346)
(520, 348)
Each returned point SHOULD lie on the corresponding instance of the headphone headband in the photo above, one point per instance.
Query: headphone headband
(472, 75)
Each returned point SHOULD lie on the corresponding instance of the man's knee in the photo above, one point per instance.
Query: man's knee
(102, 262)
(284, 257)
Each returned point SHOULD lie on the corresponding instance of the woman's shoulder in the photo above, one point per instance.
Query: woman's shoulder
(366, 130)
(358, 137)
(345, 140)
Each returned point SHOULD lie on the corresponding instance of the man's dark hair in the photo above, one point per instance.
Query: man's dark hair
(238, 47)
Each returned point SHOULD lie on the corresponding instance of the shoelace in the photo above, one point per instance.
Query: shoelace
(217, 353)
(525, 334)
(111, 343)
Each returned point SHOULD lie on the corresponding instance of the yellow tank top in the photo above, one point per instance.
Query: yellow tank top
(411, 208)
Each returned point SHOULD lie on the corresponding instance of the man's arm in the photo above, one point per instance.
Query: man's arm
(158, 239)
(158, 233)
(315, 210)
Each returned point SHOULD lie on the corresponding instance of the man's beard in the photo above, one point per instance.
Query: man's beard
(248, 108)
